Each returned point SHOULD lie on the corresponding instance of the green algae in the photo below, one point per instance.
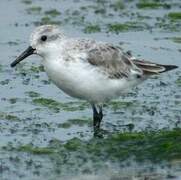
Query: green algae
(118, 27)
(37, 69)
(80, 122)
(176, 39)
(175, 15)
(64, 125)
(143, 146)
(77, 122)
(92, 29)
(11, 117)
(22, 69)
(152, 5)
(153, 146)
(52, 13)
(73, 144)
(57, 106)
(128, 26)
(32, 94)
(26, 2)
(49, 103)
(118, 5)
(67, 107)
(34, 10)
(117, 105)
(48, 20)
(75, 106)
(178, 81)
(8, 116)
(45, 20)
(35, 150)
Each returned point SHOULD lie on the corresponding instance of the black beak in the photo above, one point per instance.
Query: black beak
(29, 51)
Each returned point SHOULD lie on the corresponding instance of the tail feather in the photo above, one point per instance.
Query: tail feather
(169, 67)
(150, 68)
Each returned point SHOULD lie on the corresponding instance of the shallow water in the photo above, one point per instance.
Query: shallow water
(34, 113)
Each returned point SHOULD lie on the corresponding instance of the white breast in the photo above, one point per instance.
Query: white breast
(82, 80)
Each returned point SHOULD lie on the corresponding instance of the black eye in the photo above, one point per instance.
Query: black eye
(44, 38)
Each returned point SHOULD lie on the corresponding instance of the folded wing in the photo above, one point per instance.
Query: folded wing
(117, 64)
(150, 68)
(113, 61)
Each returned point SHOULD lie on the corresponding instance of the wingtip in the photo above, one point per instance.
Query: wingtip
(169, 67)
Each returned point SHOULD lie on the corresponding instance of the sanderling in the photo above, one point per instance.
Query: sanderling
(88, 69)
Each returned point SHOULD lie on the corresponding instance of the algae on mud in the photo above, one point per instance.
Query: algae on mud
(175, 15)
(177, 39)
(57, 106)
(28, 2)
(9, 117)
(52, 12)
(118, 105)
(152, 5)
(118, 5)
(34, 10)
(35, 150)
(77, 122)
(32, 94)
(153, 146)
(92, 28)
(127, 26)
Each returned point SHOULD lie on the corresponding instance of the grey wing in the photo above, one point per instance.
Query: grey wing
(113, 61)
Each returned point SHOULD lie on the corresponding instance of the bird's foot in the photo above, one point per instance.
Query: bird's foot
(101, 133)
(98, 134)
(97, 118)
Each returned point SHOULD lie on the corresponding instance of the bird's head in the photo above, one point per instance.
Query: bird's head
(43, 40)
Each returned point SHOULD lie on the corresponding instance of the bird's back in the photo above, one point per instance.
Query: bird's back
(114, 60)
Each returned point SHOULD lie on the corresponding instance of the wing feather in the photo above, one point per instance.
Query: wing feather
(112, 60)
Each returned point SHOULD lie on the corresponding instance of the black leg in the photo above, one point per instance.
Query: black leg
(100, 116)
(97, 118)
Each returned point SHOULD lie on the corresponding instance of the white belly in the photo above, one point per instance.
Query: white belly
(83, 81)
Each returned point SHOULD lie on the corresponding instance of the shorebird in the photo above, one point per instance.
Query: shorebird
(87, 69)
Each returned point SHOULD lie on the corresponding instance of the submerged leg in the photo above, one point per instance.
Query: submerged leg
(97, 118)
